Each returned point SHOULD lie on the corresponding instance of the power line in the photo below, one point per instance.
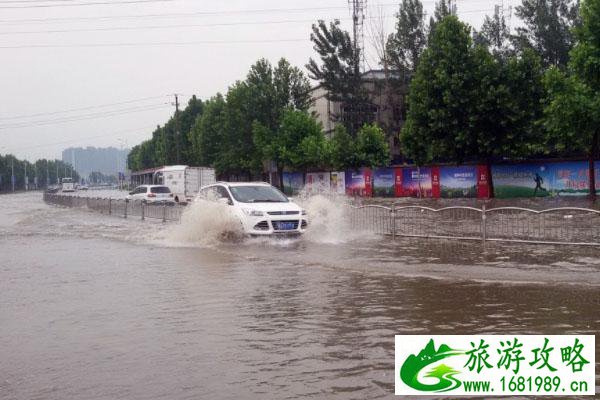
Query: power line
(83, 117)
(83, 139)
(179, 15)
(151, 27)
(96, 3)
(83, 108)
(134, 44)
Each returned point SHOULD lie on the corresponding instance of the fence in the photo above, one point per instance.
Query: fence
(119, 207)
(565, 225)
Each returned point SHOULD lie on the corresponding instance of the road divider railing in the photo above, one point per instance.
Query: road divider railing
(556, 226)
(563, 225)
(119, 207)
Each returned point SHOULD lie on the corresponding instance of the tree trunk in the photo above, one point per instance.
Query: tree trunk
(280, 176)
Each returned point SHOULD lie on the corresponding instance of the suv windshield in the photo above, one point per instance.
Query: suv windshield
(160, 189)
(257, 194)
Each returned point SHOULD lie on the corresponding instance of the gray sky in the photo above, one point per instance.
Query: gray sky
(116, 75)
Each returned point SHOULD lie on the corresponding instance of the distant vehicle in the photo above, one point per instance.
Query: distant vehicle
(261, 208)
(152, 194)
(83, 187)
(53, 189)
(67, 185)
(184, 181)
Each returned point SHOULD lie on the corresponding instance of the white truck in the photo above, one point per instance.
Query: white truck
(183, 181)
(67, 185)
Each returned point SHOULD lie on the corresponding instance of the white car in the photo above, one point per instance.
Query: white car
(152, 194)
(261, 208)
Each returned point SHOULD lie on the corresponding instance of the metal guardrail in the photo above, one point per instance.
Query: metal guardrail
(118, 207)
(564, 225)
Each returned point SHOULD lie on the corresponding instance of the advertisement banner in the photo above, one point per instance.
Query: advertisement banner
(358, 182)
(435, 182)
(317, 182)
(338, 182)
(597, 171)
(384, 180)
(416, 182)
(398, 185)
(459, 182)
(541, 179)
(483, 182)
(293, 182)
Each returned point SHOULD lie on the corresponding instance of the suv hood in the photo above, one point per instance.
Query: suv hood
(270, 207)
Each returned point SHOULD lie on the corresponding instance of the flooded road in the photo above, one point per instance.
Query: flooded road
(98, 307)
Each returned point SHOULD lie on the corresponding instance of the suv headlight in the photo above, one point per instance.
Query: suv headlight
(252, 213)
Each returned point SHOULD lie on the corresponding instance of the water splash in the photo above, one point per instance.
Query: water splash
(329, 219)
(204, 223)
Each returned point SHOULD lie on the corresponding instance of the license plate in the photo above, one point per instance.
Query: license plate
(286, 226)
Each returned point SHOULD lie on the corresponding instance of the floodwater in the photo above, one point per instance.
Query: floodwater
(98, 307)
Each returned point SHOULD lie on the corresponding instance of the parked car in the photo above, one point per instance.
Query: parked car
(261, 208)
(152, 194)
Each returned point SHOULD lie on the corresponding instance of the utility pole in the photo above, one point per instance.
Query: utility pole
(177, 141)
(358, 17)
(56, 165)
(12, 172)
(47, 174)
(26, 180)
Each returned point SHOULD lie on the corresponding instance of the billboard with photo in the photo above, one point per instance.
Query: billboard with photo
(317, 182)
(358, 182)
(384, 181)
(293, 182)
(541, 179)
(338, 182)
(458, 181)
(416, 182)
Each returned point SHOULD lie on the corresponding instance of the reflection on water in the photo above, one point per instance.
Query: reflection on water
(91, 309)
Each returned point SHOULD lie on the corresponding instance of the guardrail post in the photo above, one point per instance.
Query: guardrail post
(109, 206)
(165, 212)
(143, 208)
(125, 212)
(393, 216)
(483, 224)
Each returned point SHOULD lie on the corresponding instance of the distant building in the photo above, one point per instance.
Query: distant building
(108, 161)
(388, 97)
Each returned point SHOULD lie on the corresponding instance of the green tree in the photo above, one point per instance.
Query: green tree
(339, 74)
(208, 133)
(371, 147)
(548, 28)
(297, 138)
(406, 44)
(441, 11)
(494, 34)
(343, 149)
(572, 112)
(466, 105)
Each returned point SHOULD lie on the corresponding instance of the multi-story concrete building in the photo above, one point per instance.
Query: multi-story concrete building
(387, 94)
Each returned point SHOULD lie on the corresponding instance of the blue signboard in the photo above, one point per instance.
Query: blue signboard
(541, 179)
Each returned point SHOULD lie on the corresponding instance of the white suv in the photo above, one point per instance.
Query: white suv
(152, 194)
(262, 209)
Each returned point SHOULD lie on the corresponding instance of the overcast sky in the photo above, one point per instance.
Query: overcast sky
(104, 74)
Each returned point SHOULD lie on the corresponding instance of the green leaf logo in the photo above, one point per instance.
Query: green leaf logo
(413, 365)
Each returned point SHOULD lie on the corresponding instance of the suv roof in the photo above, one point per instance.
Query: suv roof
(233, 184)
